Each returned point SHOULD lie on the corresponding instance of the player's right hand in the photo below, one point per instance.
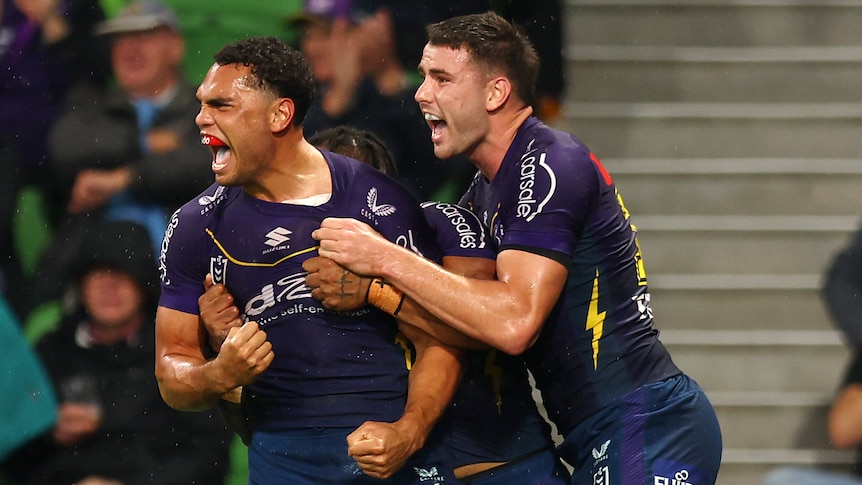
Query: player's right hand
(334, 285)
(245, 354)
(218, 313)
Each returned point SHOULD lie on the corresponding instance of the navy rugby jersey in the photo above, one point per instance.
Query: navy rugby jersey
(552, 197)
(492, 417)
(330, 369)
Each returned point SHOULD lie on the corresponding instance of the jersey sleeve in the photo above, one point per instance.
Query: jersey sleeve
(553, 192)
(458, 231)
(182, 273)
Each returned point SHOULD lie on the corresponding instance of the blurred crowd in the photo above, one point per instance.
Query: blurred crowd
(97, 108)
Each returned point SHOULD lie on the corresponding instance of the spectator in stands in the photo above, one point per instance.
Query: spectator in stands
(131, 152)
(842, 296)
(45, 47)
(361, 66)
(842, 291)
(207, 29)
(845, 432)
(113, 425)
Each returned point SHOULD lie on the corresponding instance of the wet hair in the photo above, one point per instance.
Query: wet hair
(275, 67)
(362, 145)
(494, 43)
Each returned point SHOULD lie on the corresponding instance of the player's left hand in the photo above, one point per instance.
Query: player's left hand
(337, 287)
(380, 449)
(353, 244)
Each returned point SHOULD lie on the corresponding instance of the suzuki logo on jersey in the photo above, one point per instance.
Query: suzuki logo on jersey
(533, 193)
(679, 478)
(277, 236)
(289, 288)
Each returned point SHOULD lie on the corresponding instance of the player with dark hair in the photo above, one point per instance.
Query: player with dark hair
(493, 430)
(362, 145)
(326, 392)
(570, 293)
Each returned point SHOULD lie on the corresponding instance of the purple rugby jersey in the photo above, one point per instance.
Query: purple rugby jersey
(492, 417)
(552, 197)
(330, 369)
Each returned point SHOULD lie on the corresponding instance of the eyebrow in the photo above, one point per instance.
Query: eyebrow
(214, 101)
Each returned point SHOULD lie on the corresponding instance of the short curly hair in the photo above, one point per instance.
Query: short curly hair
(362, 145)
(275, 67)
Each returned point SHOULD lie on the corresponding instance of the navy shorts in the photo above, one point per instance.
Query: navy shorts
(660, 434)
(319, 455)
(543, 468)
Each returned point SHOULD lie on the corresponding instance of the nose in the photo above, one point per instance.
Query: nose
(203, 117)
(422, 94)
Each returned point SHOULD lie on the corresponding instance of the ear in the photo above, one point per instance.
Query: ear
(499, 90)
(176, 50)
(281, 114)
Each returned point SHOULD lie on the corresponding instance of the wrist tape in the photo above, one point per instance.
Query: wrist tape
(385, 296)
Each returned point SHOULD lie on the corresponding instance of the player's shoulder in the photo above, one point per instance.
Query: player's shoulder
(205, 205)
(552, 145)
(353, 179)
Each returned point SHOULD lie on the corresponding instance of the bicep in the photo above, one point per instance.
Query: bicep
(178, 333)
(535, 282)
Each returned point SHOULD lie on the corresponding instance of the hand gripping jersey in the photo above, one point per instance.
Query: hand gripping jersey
(552, 197)
(330, 369)
(493, 417)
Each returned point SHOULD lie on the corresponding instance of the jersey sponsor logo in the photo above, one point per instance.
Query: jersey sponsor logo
(679, 478)
(379, 210)
(208, 202)
(166, 242)
(286, 289)
(277, 236)
(429, 475)
(467, 236)
(601, 453)
(529, 203)
(408, 241)
(602, 476)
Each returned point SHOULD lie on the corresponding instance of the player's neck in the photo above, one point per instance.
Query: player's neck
(489, 154)
(299, 171)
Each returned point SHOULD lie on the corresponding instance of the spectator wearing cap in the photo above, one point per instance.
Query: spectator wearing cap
(113, 427)
(358, 61)
(129, 152)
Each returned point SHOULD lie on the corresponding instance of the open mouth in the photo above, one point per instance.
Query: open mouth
(436, 124)
(219, 149)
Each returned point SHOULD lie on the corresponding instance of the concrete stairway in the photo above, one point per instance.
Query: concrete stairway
(732, 129)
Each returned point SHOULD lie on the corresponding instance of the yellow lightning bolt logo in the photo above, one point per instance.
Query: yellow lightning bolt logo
(493, 370)
(595, 320)
(402, 342)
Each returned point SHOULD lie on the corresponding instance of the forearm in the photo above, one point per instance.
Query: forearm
(432, 383)
(845, 418)
(187, 381)
(483, 310)
(417, 316)
(190, 384)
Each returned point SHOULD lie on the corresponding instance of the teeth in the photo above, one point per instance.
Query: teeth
(430, 117)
